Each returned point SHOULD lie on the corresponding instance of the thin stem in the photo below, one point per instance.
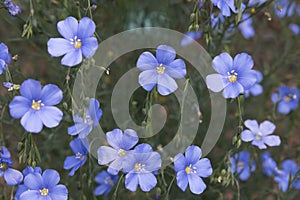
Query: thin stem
(2, 141)
(90, 9)
(169, 188)
(114, 197)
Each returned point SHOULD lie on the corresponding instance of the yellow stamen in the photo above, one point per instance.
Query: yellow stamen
(160, 69)
(232, 78)
(122, 152)
(188, 170)
(77, 44)
(3, 166)
(137, 166)
(44, 192)
(240, 164)
(258, 137)
(36, 105)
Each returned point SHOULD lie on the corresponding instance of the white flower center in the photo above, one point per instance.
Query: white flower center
(190, 169)
(160, 69)
(44, 192)
(36, 105)
(232, 76)
(76, 42)
(139, 167)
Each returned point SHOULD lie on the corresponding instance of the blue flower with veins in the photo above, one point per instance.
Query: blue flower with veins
(120, 144)
(5, 57)
(225, 6)
(242, 165)
(287, 99)
(106, 181)
(78, 40)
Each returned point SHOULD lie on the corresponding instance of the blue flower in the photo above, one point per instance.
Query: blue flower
(160, 70)
(256, 2)
(11, 176)
(284, 8)
(225, 6)
(269, 166)
(295, 28)
(289, 170)
(44, 186)
(235, 76)
(36, 106)
(260, 135)
(5, 57)
(84, 126)
(256, 89)
(106, 181)
(13, 9)
(246, 27)
(115, 155)
(190, 168)
(79, 157)
(77, 40)
(217, 20)
(241, 165)
(22, 188)
(286, 98)
(140, 166)
(190, 37)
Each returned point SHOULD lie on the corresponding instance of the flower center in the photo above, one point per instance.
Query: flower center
(289, 97)
(76, 42)
(139, 167)
(36, 105)
(89, 120)
(258, 137)
(44, 192)
(232, 76)
(3, 166)
(240, 164)
(79, 155)
(160, 69)
(108, 181)
(190, 169)
(122, 152)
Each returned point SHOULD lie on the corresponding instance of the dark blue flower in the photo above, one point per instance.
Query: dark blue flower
(225, 6)
(286, 98)
(284, 8)
(106, 181)
(36, 106)
(5, 57)
(13, 9)
(44, 186)
(288, 170)
(256, 89)
(241, 165)
(235, 76)
(295, 28)
(11, 176)
(78, 39)
(91, 119)
(140, 166)
(190, 37)
(260, 135)
(246, 27)
(79, 157)
(190, 168)
(160, 70)
(120, 145)
(269, 166)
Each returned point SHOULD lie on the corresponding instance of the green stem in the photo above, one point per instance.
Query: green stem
(90, 9)
(2, 141)
(114, 197)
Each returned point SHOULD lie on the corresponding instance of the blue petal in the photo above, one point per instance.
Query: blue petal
(89, 46)
(256, 90)
(68, 27)
(50, 116)
(224, 8)
(245, 174)
(51, 95)
(248, 79)
(222, 63)
(283, 108)
(146, 61)
(4, 153)
(70, 162)
(115, 138)
(275, 97)
(31, 89)
(252, 125)
(59, 46)
(143, 148)
(193, 154)
(106, 155)
(153, 163)
(215, 82)
(288, 166)
(259, 143)
(3, 66)
(129, 139)
(230, 3)
(247, 136)
(72, 58)
(31, 194)
(243, 62)
(100, 190)
(197, 186)
(179, 162)
(77, 128)
(233, 90)
(12, 176)
(182, 180)
(34, 181)
(267, 127)
(20, 190)
(115, 166)
(19, 106)
(165, 54)
(86, 28)
(51, 178)
(148, 79)
(59, 192)
(176, 69)
(165, 84)
(147, 181)
(272, 140)
(94, 110)
(77, 146)
(203, 167)
(85, 132)
(31, 121)
(131, 181)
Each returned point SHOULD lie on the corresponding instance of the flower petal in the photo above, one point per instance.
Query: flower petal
(203, 167)
(31, 121)
(19, 106)
(12, 176)
(146, 61)
(256, 90)
(77, 128)
(182, 180)
(115, 138)
(233, 90)
(106, 155)
(148, 79)
(86, 28)
(252, 125)
(70, 162)
(179, 162)
(272, 140)
(31, 89)
(176, 69)
(247, 79)
(100, 190)
(59, 46)
(197, 186)
(34, 181)
(247, 136)
(215, 82)
(50, 116)
(222, 63)
(31, 194)
(115, 166)
(59, 192)
(267, 127)
(129, 139)
(89, 46)
(131, 181)
(243, 62)
(68, 27)
(165, 54)
(147, 181)
(51, 178)
(245, 174)
(166, 84)
(193, 154)
(283, 107)
(72, 58)
(51, 95)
